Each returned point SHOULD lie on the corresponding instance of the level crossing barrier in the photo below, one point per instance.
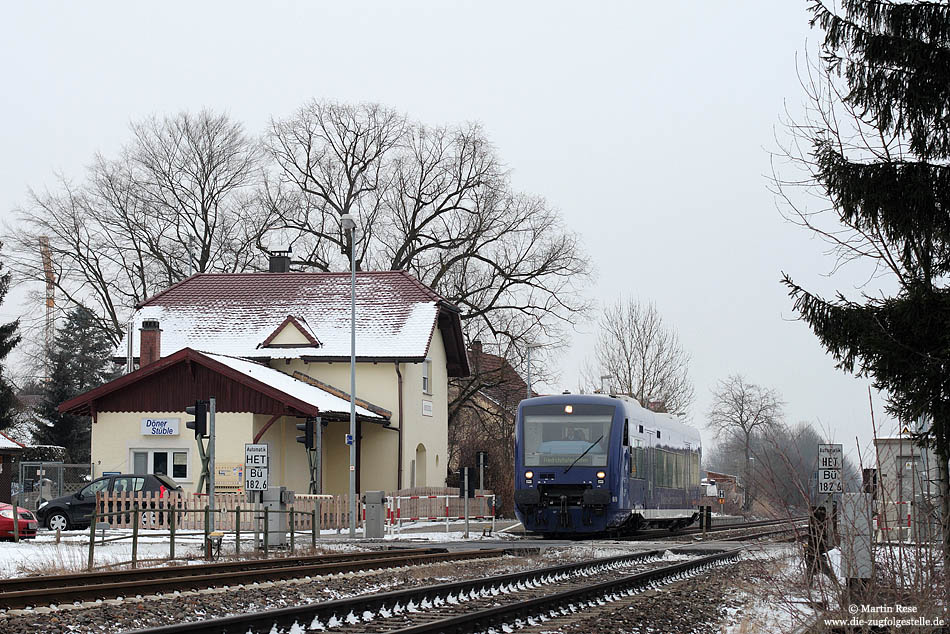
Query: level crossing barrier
(437, 508)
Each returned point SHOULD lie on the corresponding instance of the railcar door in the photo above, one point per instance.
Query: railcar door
(624, 495)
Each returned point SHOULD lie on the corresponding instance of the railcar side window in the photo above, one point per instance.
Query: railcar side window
(636, 461)
(626, 432)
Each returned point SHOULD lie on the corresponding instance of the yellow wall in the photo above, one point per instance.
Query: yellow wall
(377, 383)
(115, 434)
(289, 334)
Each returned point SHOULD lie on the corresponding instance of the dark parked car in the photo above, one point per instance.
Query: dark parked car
(75, 511)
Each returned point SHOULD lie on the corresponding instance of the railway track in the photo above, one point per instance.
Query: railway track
(467, 606)
(61, 589)
(661, 534)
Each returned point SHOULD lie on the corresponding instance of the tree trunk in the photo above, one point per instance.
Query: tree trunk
(944, 477)
(748, 473)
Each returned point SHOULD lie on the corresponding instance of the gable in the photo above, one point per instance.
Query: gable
(291, 333)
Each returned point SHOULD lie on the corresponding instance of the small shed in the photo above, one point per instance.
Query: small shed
(10, 451)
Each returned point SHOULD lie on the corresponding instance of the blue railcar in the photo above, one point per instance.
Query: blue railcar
(588, 464)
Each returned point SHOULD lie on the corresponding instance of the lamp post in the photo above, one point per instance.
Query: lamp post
(350, 225)
(530, 346)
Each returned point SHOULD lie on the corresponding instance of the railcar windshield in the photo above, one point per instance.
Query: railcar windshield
(559, 434)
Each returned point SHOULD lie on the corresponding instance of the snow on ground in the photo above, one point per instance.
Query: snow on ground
(776, 602)
(42, 555)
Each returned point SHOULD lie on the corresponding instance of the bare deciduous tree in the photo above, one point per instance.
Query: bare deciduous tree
(642, 356)
(742, 410)
(177, 200)
(431, 200)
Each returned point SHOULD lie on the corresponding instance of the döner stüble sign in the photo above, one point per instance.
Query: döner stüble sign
(160, 426)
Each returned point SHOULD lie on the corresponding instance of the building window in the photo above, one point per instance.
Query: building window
(427, 377)
(180, 465)
(169, 462)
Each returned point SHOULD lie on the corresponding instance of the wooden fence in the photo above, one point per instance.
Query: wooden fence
(420, 503)
(189, 509)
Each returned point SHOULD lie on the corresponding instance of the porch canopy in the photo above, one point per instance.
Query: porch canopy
(175, 382)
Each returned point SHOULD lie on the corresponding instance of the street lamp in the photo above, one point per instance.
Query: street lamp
(350, 225)
(530, 346)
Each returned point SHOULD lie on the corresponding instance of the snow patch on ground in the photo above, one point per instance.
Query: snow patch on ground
(43, 555)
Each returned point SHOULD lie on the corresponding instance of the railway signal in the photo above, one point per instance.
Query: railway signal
(200, 424)
(307, 428)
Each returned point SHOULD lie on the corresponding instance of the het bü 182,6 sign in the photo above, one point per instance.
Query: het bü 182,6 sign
(830, 458)
(255, 467)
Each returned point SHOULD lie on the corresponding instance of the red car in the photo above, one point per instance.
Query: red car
(27, 522)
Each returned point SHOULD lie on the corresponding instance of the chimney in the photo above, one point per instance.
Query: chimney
(476, 347)
(280, 262)
(150, 348)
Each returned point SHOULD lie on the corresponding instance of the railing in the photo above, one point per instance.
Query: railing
(257, 525)
(174, 515)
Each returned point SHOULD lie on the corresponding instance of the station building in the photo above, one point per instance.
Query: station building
(274, 349)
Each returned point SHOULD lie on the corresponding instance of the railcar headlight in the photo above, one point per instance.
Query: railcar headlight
(528, 475)
(601, 475)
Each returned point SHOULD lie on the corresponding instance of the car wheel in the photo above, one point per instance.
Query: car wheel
(57, 521)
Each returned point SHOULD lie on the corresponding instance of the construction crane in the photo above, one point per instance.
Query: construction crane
(50, 327)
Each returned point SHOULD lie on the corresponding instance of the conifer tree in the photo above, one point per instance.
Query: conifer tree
(9, 338)
(79, 361)
(888, 180)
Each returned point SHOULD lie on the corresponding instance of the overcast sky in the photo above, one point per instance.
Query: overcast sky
(648, 125)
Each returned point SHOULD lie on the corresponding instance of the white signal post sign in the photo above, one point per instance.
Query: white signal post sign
(255, 467)
(830, 459)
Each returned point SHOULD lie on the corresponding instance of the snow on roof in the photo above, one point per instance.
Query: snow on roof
(287, 384)
(232, 313)
(8, 443)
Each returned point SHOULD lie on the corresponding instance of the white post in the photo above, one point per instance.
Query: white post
(211, 403)
(319, 454)
(529, 371)
(465, 506)
(352, 227)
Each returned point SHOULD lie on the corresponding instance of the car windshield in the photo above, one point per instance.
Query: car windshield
(560, 434)
(95, 487)
(167, 482)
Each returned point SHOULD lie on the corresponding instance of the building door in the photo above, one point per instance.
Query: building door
(421, 465)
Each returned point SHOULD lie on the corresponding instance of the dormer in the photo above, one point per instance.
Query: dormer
(291, 333)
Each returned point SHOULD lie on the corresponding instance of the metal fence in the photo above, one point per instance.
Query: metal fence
(42, 481)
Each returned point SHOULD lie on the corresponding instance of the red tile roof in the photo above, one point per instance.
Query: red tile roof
(232, 313)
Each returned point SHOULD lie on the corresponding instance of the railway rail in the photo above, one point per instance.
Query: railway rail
(465, 606)
(52, 590)
(666, 534)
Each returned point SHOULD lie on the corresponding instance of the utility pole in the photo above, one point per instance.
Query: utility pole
(530, 346)
(350, 225)
(211, 403)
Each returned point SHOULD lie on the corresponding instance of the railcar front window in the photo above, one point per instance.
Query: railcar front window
(553, 436)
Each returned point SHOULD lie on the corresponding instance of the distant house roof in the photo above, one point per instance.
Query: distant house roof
(7, 443)
(235, 314)
(174, 382)
(500, 382)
